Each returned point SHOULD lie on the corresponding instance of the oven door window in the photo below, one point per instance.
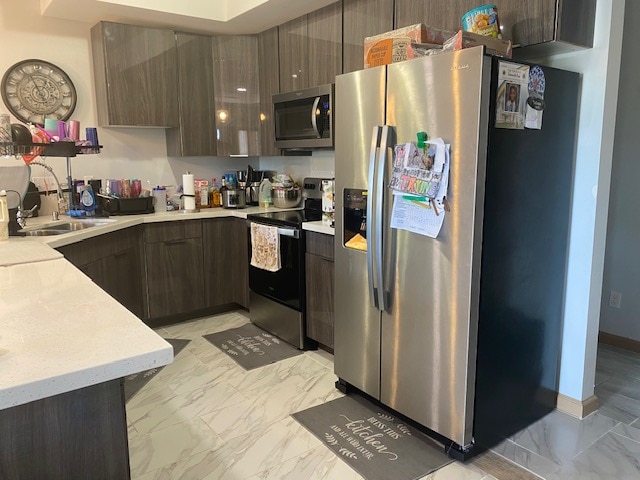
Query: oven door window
(283, 286)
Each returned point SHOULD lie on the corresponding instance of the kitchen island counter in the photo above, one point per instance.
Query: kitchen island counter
(61, 332)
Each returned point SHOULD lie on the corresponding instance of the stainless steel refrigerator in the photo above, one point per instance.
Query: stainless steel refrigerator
(461, 333)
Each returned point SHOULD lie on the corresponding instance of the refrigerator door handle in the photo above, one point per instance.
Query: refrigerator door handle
(379, 224)
(371, 275)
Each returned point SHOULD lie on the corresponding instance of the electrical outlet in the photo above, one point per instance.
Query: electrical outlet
(615, 299)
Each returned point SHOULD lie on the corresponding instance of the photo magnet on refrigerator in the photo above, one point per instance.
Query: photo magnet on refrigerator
(511, 95)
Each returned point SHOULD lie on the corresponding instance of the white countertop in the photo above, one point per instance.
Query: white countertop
(60, 332)
(114, 223)
(318, 227)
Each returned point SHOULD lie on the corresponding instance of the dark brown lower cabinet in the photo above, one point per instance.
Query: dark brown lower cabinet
(113, 262)
(320, 284)
(81, 434)
(114, 275)
(241, 256)
(225, 260)
(174, 276)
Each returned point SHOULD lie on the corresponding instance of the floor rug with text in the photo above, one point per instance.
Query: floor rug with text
(373, 441)
(251, 347)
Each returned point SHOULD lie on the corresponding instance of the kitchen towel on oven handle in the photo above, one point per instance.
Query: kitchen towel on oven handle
(265, 247)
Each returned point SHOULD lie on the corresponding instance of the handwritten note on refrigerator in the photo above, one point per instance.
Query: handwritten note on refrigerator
(416, 216)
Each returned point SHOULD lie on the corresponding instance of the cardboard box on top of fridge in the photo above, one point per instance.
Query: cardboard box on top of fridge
(395, 45)
(494, 46)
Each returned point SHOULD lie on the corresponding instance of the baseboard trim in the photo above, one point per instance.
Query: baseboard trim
(577, 408)
(620, 342)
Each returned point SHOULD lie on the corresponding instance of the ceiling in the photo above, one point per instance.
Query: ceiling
(199, 16)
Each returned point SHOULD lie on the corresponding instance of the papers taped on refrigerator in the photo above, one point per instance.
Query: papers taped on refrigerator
(418, 171)
(424, 214)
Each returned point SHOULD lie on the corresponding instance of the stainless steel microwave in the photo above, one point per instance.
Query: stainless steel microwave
(303, 119)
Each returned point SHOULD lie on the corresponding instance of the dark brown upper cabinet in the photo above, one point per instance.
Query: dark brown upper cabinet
(310, 49)
(546, 25)
(269, 78)
(196, 133)
(293, 49)
(237, 96)
(363, 18)
(324, 30)
(135, 70)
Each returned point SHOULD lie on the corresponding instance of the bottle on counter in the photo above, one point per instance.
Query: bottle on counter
(88, 200)
(214, 194)
(264, 194)
(203, 194)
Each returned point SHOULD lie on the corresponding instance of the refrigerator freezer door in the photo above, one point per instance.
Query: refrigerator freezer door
(429, 330)
(360, 99)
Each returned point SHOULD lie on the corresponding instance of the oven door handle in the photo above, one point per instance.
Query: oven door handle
(285, 232)
(289, 232)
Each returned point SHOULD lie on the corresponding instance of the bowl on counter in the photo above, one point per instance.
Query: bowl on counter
(285, 197)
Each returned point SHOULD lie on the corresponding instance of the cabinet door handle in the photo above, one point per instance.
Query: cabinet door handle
(175, 242)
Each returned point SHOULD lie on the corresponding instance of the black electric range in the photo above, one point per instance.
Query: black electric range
(312, 211)
(277, 298)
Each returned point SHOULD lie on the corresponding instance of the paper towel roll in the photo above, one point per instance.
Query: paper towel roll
(189, 191)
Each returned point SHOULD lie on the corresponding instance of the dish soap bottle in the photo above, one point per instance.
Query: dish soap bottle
(4, 216)
(264, 193)
(88, 200)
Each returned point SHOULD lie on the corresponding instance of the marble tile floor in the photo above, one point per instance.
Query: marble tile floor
(203, 417)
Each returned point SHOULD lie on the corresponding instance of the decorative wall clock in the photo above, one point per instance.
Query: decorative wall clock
(34, 89)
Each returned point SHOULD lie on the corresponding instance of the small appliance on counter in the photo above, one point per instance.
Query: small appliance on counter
(233, 198)
(250, 181)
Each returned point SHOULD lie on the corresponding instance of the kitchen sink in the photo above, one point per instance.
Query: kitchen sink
(62, 228)
(75, 226)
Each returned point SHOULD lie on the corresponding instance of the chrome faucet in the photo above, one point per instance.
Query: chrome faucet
(22, 215)
(61, 200)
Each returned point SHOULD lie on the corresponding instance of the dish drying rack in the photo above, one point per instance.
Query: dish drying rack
(54, 149)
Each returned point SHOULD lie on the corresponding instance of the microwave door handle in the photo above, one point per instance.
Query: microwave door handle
(314, 120)
(371, 276)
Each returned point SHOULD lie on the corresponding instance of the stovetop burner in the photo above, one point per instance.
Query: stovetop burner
(289, 218)
(312, 211)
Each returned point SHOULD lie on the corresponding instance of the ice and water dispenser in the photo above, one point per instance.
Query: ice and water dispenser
(355, 218)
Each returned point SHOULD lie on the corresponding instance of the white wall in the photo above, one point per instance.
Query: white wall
(622, 258)
(600, 68)
(128, 152)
